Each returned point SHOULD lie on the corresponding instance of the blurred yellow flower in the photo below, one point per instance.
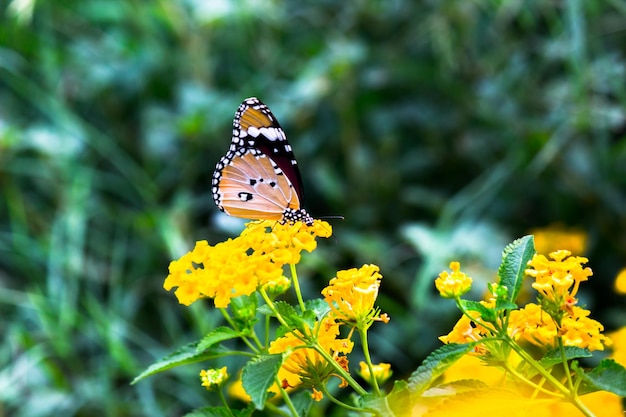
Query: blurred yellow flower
(455, 284)
(352, 293)
(213, 377)
(382, 372)
(304, 365)
(503, 396)
(239, 266)
(550, 239)
(620, 282)
(618, 338)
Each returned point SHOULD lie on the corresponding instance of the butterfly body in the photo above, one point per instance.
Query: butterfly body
(258, 178)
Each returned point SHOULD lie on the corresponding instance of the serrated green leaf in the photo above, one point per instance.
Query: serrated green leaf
(435, 364)
(302, 402)
(608, 376)
(216, 336)
(319, 306)
(505, 305)
(486, 313)
(295, 319)
(220, 412)
(187, 354)
(515, 259)
(553, 356)
(396, 403)
(265, 310)
(259, 375)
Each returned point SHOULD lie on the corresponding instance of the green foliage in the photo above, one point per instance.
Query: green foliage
(220, 412)
(435, 365)
(608, 375)
(217, 335)
(512, 270)
(259, 375)
(187, 354)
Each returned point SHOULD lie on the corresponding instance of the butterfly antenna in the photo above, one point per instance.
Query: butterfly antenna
(333, 217)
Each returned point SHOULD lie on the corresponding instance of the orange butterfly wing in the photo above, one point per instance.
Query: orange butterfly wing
(258, 178)
(251, 189)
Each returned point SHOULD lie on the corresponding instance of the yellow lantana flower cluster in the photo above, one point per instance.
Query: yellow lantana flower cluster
(455, 284)
(557, 280)
(352, 293)
(305, 365)
(531, 323)
(213, 377)
(239, 266)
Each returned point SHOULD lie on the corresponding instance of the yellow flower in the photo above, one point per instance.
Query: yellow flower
(240, 266)
(557, 281)
(553, 238)
(304, 365)
(382, 372)
(534, 325)
(213, 377)
(455, 284)
(352, 293)
(620, 282)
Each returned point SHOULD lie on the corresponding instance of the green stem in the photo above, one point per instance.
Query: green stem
(527, 381)
(296, 286)
(223, 399)
(286, 397)
(275, 410)
(272, 307)
(477, 320)
(570, 395)
(342, 372)
(232, 324)
(565, 365)
(368, 359)
(355, 385)
(339, 403)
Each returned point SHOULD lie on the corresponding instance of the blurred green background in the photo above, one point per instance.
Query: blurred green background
(440, 130)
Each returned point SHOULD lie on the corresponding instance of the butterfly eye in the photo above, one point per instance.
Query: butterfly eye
(258, 178)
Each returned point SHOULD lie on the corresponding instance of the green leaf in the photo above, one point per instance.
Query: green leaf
(505, 305)
(515, 259)
(396, 403)
(259, 375)
(217, 335)
(319, 306)
(553, 356)
(220, 412)
(187, 354)
(295, 319)
(302, 402)
(486, 313)
(435, 364)
(608, 376)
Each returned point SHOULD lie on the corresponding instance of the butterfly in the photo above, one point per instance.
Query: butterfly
(258, 178)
